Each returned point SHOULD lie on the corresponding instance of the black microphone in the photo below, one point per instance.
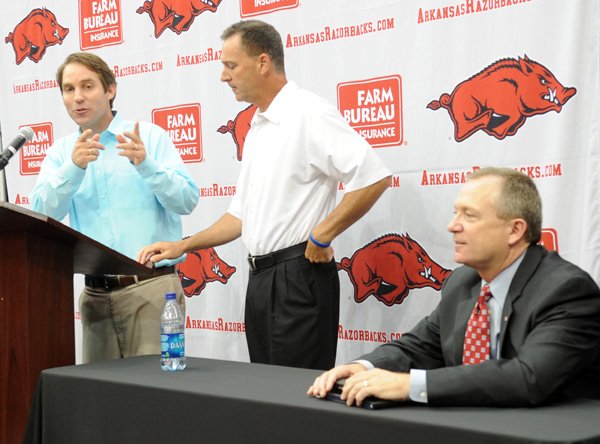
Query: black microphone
(25, 135)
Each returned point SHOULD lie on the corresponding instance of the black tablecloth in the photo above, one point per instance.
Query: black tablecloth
(134, 401)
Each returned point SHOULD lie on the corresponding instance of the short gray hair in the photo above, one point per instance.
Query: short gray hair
(519, 197)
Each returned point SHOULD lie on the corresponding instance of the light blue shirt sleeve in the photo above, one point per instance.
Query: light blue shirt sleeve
(418, 385)
(367, 364)
(58, 180)
(164, 174)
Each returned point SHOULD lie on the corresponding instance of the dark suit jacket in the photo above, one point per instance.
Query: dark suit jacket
(549, 343)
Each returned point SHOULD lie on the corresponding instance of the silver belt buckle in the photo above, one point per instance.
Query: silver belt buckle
(135, 279)
(252, 262)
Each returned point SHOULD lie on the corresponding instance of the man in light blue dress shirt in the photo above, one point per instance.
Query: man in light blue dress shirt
(123, 184)
(544, 315)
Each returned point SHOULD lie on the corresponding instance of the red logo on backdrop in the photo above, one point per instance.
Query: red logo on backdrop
(500, 98)
(249, 8)
(239, 127)
(373, 108)
(176, 15)
(21, 199)
(33, 152)
(549, 239)
(201, 267)
(389, 267)
(100, 23)
(182, 123)
(34, 34)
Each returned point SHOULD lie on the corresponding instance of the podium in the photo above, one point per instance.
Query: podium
(38, 257)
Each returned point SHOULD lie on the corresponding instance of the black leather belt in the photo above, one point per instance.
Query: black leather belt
(268, 260)
(110, 282)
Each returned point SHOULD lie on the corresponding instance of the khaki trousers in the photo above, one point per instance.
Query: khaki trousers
(125, 321)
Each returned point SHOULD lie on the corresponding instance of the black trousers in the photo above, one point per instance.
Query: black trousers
(292, 314)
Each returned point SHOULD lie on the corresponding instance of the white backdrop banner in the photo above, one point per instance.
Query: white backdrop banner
(438, 87)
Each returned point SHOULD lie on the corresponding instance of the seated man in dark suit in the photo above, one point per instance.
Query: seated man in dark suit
(516, 326)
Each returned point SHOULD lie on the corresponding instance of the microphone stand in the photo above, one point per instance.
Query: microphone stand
(3, 185)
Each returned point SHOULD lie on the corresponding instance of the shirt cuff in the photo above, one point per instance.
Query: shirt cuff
(368, 365)
(71, 172)
(147, 168)
(170, 262)
(418, 386)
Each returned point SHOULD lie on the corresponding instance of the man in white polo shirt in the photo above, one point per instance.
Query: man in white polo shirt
(297, 151)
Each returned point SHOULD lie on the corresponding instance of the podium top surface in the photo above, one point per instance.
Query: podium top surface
(89, 256)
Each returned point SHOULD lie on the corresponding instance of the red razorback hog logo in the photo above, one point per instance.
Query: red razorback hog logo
(389, 267)
(177, 15)
(239, 128)
(34, 34)
(498, 99)
(201, 267)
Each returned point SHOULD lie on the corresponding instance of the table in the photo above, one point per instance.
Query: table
(133, 401)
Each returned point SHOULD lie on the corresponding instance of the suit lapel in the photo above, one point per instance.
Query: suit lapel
(530, 263)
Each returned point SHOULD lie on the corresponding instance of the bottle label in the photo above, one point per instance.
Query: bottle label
(172, 345)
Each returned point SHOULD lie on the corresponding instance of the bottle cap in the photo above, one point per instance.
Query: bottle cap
(170, 296)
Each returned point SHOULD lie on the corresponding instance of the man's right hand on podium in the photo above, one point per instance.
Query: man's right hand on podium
(158, 251)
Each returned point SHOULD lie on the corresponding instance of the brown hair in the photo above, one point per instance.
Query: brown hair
(258, 37)
(93, 63)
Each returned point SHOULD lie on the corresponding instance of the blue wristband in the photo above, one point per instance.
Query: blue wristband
(317, 243)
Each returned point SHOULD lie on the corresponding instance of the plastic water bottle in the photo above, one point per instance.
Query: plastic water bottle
(172, 335)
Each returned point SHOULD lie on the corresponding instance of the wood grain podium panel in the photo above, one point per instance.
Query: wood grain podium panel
(38, 257)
